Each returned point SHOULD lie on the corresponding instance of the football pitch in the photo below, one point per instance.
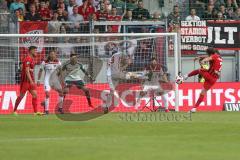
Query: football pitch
(115, 136)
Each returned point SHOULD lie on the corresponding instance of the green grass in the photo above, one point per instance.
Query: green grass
(213, 136)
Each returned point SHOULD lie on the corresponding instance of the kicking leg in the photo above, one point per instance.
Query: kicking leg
(193, 73)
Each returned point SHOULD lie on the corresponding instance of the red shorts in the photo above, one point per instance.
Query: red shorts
(26, 86)
(209, 79)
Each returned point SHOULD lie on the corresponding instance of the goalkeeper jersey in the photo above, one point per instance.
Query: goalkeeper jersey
(72, 72)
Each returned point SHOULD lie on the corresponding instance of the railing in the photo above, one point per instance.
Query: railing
(5, 22)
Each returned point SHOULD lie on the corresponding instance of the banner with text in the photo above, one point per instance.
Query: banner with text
(75, 101)
(199, 35)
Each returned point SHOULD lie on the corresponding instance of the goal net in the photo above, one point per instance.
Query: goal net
(123, 72)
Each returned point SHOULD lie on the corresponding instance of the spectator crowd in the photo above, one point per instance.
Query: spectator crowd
(76, 11)
(83, 10)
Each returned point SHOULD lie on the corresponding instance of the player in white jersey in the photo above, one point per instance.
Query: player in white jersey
(70, 74)
(121, 58)
(48, 66)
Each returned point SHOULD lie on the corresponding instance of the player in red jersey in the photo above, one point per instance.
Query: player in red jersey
(27, 80)
(210, 75)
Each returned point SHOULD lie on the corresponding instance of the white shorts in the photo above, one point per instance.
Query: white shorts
(55, 82)
(47, 86)
(114, 79)
(151, 86)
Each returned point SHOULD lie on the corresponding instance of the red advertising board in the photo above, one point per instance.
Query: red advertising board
(76, 102)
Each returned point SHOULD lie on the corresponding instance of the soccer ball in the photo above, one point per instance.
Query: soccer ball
(179, 79)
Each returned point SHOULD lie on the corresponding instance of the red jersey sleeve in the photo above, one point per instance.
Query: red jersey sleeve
(28, 61)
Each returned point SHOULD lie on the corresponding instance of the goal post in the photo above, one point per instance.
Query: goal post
(96, 52)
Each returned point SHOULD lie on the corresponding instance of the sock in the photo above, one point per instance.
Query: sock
(46, 104)
(17, 103)
(115, 98)
(60, 102)
(34, 104)
(109, 99)
(164, 100)
(200, 99)
(193, 73)
(88, 98)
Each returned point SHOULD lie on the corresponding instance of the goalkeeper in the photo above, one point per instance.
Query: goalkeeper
(69, 73)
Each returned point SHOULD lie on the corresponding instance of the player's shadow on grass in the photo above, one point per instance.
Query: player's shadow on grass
(96, 111)
(85, 116)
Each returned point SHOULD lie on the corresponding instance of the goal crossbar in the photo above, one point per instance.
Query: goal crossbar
(91, 35)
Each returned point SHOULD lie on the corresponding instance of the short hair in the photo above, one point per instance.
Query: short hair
(75, 6)
(73, 54)
(153, 58)
(32, 47)
(222, 5)
(52, 50)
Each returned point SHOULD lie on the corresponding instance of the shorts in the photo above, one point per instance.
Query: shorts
(209, 79)
(78, 83)
(26, 86)
(114, 79)
(208, 84)
(150, 86)
(47, 86)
